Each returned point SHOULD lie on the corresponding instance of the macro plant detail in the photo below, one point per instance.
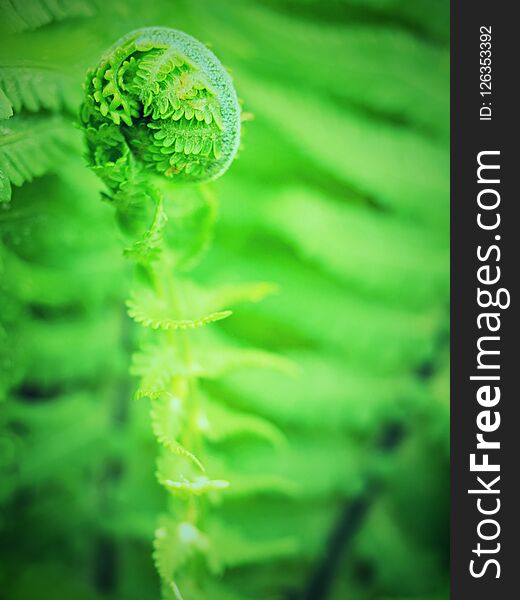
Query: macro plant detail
(164, 407)
(160, 110)
(163, 96)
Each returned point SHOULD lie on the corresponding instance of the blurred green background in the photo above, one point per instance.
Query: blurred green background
(339, 197)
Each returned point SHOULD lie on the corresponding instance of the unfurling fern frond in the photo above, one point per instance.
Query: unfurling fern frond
(160, 109)
(163, 96)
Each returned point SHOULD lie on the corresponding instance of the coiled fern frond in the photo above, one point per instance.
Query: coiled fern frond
(162, 98)
(160, 108)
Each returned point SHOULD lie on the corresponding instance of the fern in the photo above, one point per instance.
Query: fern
(406, 84)
(6, 109)
(155, 312)
(150, 91)
(30, 147)
(380, 256)
(34, 87)
(393, 166)
(20, 15)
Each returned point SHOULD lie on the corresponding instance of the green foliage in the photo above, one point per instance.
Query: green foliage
(20, 15)
(182, 89)
(34, 87)
(30, 147)
(271, 403)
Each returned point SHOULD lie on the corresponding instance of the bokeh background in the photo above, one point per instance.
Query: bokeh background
(340, 197)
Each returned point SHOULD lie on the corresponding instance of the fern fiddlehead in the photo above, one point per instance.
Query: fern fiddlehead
(160, 108)
(161, 98)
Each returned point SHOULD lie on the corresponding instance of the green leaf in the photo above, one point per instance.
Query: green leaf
(175, 543)
(6, 108)
(32, 146)
(192, 213)
(375, 253)
(232, 294)
(155, 317)
(311, 465)
(231, 548)
(5, 188)
(357, 400)
(21, 15)
(183, 304)
(159, 363)
(149, 246)
(196, 487)
(397, 168)
(219, 423)
(389, 71)
(150, 310)
(168, 422)
(315, 310)
(37, 86)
